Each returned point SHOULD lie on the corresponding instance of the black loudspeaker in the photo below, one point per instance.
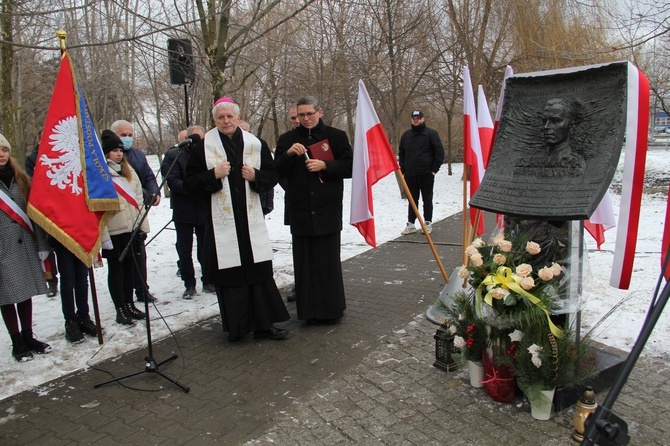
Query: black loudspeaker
(181, 61)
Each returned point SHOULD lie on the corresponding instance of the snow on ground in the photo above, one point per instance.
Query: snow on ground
(620, 330)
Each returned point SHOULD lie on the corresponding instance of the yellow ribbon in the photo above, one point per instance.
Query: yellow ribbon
(505, 278)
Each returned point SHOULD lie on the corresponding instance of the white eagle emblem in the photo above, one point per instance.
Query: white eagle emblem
(64, 170)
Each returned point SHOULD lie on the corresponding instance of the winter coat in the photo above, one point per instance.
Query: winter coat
(186, 208)
(138, 161)
(21, 275)
(124, 220)
(420, 151)
(314, 206)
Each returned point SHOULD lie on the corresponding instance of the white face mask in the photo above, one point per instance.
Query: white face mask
(127, 142)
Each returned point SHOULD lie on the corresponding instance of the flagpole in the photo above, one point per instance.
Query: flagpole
(96, 309)
(464, 232)
(423, 225)
(61, 35)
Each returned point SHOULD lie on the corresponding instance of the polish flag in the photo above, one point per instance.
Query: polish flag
(373, 160)
(665, 250)
(637, 122)
(485, 124)
(501, 100)
(472, 148)
(601, 220)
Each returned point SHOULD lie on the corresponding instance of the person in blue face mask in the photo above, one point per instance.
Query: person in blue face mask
(138, 161)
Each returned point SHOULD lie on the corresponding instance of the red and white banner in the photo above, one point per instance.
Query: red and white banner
(485, 125)
(635, 148)
(126, 192)
(373, 160)
(472, 148)
(9, 207)
(601, 220)
(71, 194)
(665, 249)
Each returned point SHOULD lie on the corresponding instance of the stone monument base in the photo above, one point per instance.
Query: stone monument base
(609, 362)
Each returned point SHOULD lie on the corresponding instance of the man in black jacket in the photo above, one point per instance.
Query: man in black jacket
(420, 154)
(188, 214)
(314, 199)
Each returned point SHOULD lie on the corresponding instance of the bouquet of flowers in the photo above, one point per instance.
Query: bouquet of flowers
(541, 361)
(469, 331)
(515, 283)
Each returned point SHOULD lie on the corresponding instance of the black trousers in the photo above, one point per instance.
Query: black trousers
(121, 273)
(423, 185)
(185, 251)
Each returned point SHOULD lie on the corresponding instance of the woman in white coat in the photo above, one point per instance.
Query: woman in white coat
(117, 234)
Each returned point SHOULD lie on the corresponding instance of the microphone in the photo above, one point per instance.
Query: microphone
(191, 140)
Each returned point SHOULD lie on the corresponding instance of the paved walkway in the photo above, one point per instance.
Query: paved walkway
(368, 380)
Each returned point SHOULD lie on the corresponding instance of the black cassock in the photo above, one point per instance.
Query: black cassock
(247, 294)
(315, 214)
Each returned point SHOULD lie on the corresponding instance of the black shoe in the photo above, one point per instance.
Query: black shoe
(291, 296)
(234, 338)
(189, 293)
(87, 326)
(333, 321)
(33, 344)
(150, 297)
(122, 316)
(73, 332)
(209, 288)
(273, 333)
(134, 312)
(52, 290)
(20, 350)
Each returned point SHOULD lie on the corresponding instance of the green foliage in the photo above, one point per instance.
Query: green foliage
(542, 361)
(469, 330)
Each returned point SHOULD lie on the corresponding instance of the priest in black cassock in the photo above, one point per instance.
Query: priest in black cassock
(228, 169)
(314, 189)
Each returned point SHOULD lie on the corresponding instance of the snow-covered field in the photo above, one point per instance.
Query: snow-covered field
(619, 330)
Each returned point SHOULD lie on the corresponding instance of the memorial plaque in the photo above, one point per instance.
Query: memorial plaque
(558, 143)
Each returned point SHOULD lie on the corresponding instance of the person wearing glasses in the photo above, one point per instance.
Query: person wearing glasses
(420, 155)
(314, 189)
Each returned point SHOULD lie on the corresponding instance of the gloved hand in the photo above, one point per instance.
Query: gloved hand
(43, 255)
(108, 245)
(141, 235)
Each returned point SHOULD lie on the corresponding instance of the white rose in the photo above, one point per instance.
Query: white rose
(499, 259)
(476, 259)
(524, 270)
(478, 243)
(505, 246)
(556, 269)
(459, 342)
(498, 239)
(527, 283)
(452, 329)
(545, 274)
(533, 248)
(516, 335)
(499, 293)
(463, 272)
(535, 349)
(470, 250)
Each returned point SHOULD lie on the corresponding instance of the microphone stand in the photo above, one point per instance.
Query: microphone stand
(603, 427)
(150, 364)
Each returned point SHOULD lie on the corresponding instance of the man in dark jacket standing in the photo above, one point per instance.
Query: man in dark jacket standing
(188, 214)
(138, 161)
(314, 199)
(420, 154)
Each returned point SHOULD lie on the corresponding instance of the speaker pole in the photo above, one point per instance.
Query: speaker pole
(188, 124)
